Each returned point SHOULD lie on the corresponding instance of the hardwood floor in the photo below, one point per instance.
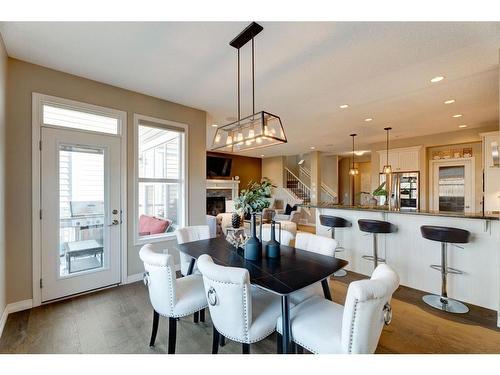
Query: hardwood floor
(118, 320)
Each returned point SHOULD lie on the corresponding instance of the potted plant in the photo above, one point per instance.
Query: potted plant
(381, 192)
(252, 201)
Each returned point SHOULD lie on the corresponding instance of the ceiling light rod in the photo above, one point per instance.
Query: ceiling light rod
(248, 34)
(353, 171)
(387, 166)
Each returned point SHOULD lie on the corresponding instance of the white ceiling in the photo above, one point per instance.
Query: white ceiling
(304, 71)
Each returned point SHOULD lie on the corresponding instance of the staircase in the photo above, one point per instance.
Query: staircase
(331, 196)
(297, 187)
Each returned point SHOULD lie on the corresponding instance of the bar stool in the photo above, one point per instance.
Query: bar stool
(335, 222)
(375, 227)
(445, 235)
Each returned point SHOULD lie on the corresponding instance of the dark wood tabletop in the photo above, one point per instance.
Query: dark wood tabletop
(294, 270)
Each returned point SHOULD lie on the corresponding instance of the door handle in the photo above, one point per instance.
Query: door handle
(114, 222)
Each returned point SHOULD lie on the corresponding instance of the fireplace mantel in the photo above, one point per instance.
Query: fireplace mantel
(233, 185)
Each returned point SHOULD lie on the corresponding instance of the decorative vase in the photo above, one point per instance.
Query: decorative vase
(273, 246)
(235, 220)
(253, 247)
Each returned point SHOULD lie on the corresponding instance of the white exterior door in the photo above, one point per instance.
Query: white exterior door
(81, 213)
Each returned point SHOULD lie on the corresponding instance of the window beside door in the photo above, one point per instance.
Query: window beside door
(160, 192)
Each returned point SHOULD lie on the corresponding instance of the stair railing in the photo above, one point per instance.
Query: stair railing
(330, 193)
(299, 189)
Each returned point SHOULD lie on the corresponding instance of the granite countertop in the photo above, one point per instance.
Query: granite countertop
(486, 216)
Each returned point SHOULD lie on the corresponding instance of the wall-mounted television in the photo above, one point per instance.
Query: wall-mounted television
(218, 166)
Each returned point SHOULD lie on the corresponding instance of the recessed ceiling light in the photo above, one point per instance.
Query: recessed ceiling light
(437, 79)
(313, 148)
(449, 101)
(458, 115)
(462, 126)
(214, 125)
(343, 106)
(262, 156)
(368, 119)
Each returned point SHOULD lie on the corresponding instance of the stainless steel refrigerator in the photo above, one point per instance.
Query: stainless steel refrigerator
(406, 190)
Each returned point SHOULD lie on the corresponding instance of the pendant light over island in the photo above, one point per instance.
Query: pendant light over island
(353, 171)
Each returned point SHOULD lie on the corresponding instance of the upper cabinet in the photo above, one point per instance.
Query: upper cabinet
(402, 159)
(491, 173)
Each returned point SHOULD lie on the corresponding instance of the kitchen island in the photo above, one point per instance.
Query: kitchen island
(411, 255)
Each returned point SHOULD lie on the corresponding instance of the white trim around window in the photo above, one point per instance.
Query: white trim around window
(183, 219)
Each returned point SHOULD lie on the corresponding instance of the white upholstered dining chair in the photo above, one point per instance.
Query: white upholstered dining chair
(325, 327)
(316, 244)
(170, 297)
(286, 236)
(190, 234)
(239, 311)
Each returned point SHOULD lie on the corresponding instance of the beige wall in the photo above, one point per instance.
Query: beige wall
(433, 140)
(345, 181)
(272, 168)
(329, 171)
(3, 97)
(23, 80)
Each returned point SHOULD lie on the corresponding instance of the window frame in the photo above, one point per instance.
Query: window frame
(81, 107)
(183, 178)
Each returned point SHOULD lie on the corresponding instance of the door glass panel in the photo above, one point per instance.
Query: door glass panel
(81, 209)
(452, 188)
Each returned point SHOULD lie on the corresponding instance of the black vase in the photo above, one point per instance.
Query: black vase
(253, 247)
(273, 246)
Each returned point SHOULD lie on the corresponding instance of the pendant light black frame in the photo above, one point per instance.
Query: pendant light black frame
(259, 122)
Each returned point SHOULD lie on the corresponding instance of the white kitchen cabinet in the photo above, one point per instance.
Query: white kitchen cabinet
(491, 174)
(402, 159)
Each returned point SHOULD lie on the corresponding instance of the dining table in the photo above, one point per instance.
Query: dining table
(295, 269)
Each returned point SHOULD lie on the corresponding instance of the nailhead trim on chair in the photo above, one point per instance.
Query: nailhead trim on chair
(172, 306)
(351, 333)
(245, 306)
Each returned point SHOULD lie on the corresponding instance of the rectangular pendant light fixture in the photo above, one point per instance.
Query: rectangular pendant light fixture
(261, 129)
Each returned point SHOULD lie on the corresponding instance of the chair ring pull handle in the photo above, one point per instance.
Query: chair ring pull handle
(212, 296)
(387, 314)
(146, 279)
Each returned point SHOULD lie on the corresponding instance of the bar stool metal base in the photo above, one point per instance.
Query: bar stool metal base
(340, 273)
(445, 304)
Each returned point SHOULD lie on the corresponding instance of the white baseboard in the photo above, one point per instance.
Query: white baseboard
(138, 276)
(134, 278)
(12, 308)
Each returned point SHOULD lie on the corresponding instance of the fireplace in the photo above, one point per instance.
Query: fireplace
(216, 205)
